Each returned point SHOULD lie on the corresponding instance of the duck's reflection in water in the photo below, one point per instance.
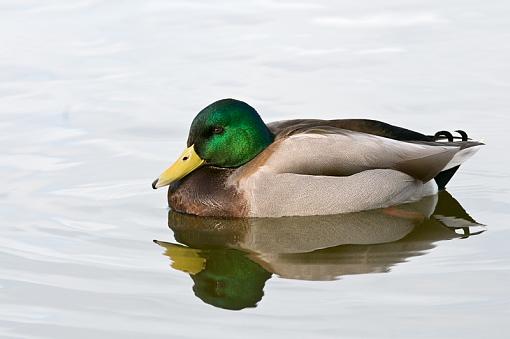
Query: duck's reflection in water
(230, 260)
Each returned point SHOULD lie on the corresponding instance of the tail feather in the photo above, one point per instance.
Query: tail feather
(467, 150)
(444, 177)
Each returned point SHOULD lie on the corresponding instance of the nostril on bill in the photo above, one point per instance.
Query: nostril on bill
(185, 158)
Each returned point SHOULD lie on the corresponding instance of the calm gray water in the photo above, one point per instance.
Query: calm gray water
(96, 98)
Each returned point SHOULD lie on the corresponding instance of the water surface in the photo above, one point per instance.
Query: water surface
(96, 98)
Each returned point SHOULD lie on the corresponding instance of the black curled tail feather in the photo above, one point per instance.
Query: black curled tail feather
(449, 136)
(463, 135)
(442, 135)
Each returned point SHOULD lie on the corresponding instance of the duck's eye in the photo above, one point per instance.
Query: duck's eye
(217, 130)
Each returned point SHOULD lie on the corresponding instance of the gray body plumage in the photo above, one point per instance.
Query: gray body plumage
(328, 170)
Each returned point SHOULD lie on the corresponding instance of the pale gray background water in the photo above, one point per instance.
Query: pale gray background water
(96, 98)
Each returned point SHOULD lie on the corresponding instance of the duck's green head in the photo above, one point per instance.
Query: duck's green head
(227, 133)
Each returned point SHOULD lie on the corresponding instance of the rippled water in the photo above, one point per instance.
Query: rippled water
(96, 98)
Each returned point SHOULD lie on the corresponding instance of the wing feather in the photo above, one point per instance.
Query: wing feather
(328, 150)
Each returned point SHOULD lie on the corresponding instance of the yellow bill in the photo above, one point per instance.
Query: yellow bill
(187, 162)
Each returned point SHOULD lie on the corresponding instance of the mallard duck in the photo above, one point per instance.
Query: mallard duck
(237, 166)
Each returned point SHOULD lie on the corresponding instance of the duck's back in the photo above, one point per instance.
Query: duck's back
(285, 127)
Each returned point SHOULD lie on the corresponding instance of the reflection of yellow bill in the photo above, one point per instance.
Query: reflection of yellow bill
(185, 164)
(183, 258)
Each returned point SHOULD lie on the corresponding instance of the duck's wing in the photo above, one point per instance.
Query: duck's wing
(346, 147)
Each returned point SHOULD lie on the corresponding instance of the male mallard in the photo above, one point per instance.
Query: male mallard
(237, 166)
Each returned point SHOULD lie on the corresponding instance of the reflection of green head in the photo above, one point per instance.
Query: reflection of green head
(230, 280)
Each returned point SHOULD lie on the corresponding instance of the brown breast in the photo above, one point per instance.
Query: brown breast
(204, 192)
